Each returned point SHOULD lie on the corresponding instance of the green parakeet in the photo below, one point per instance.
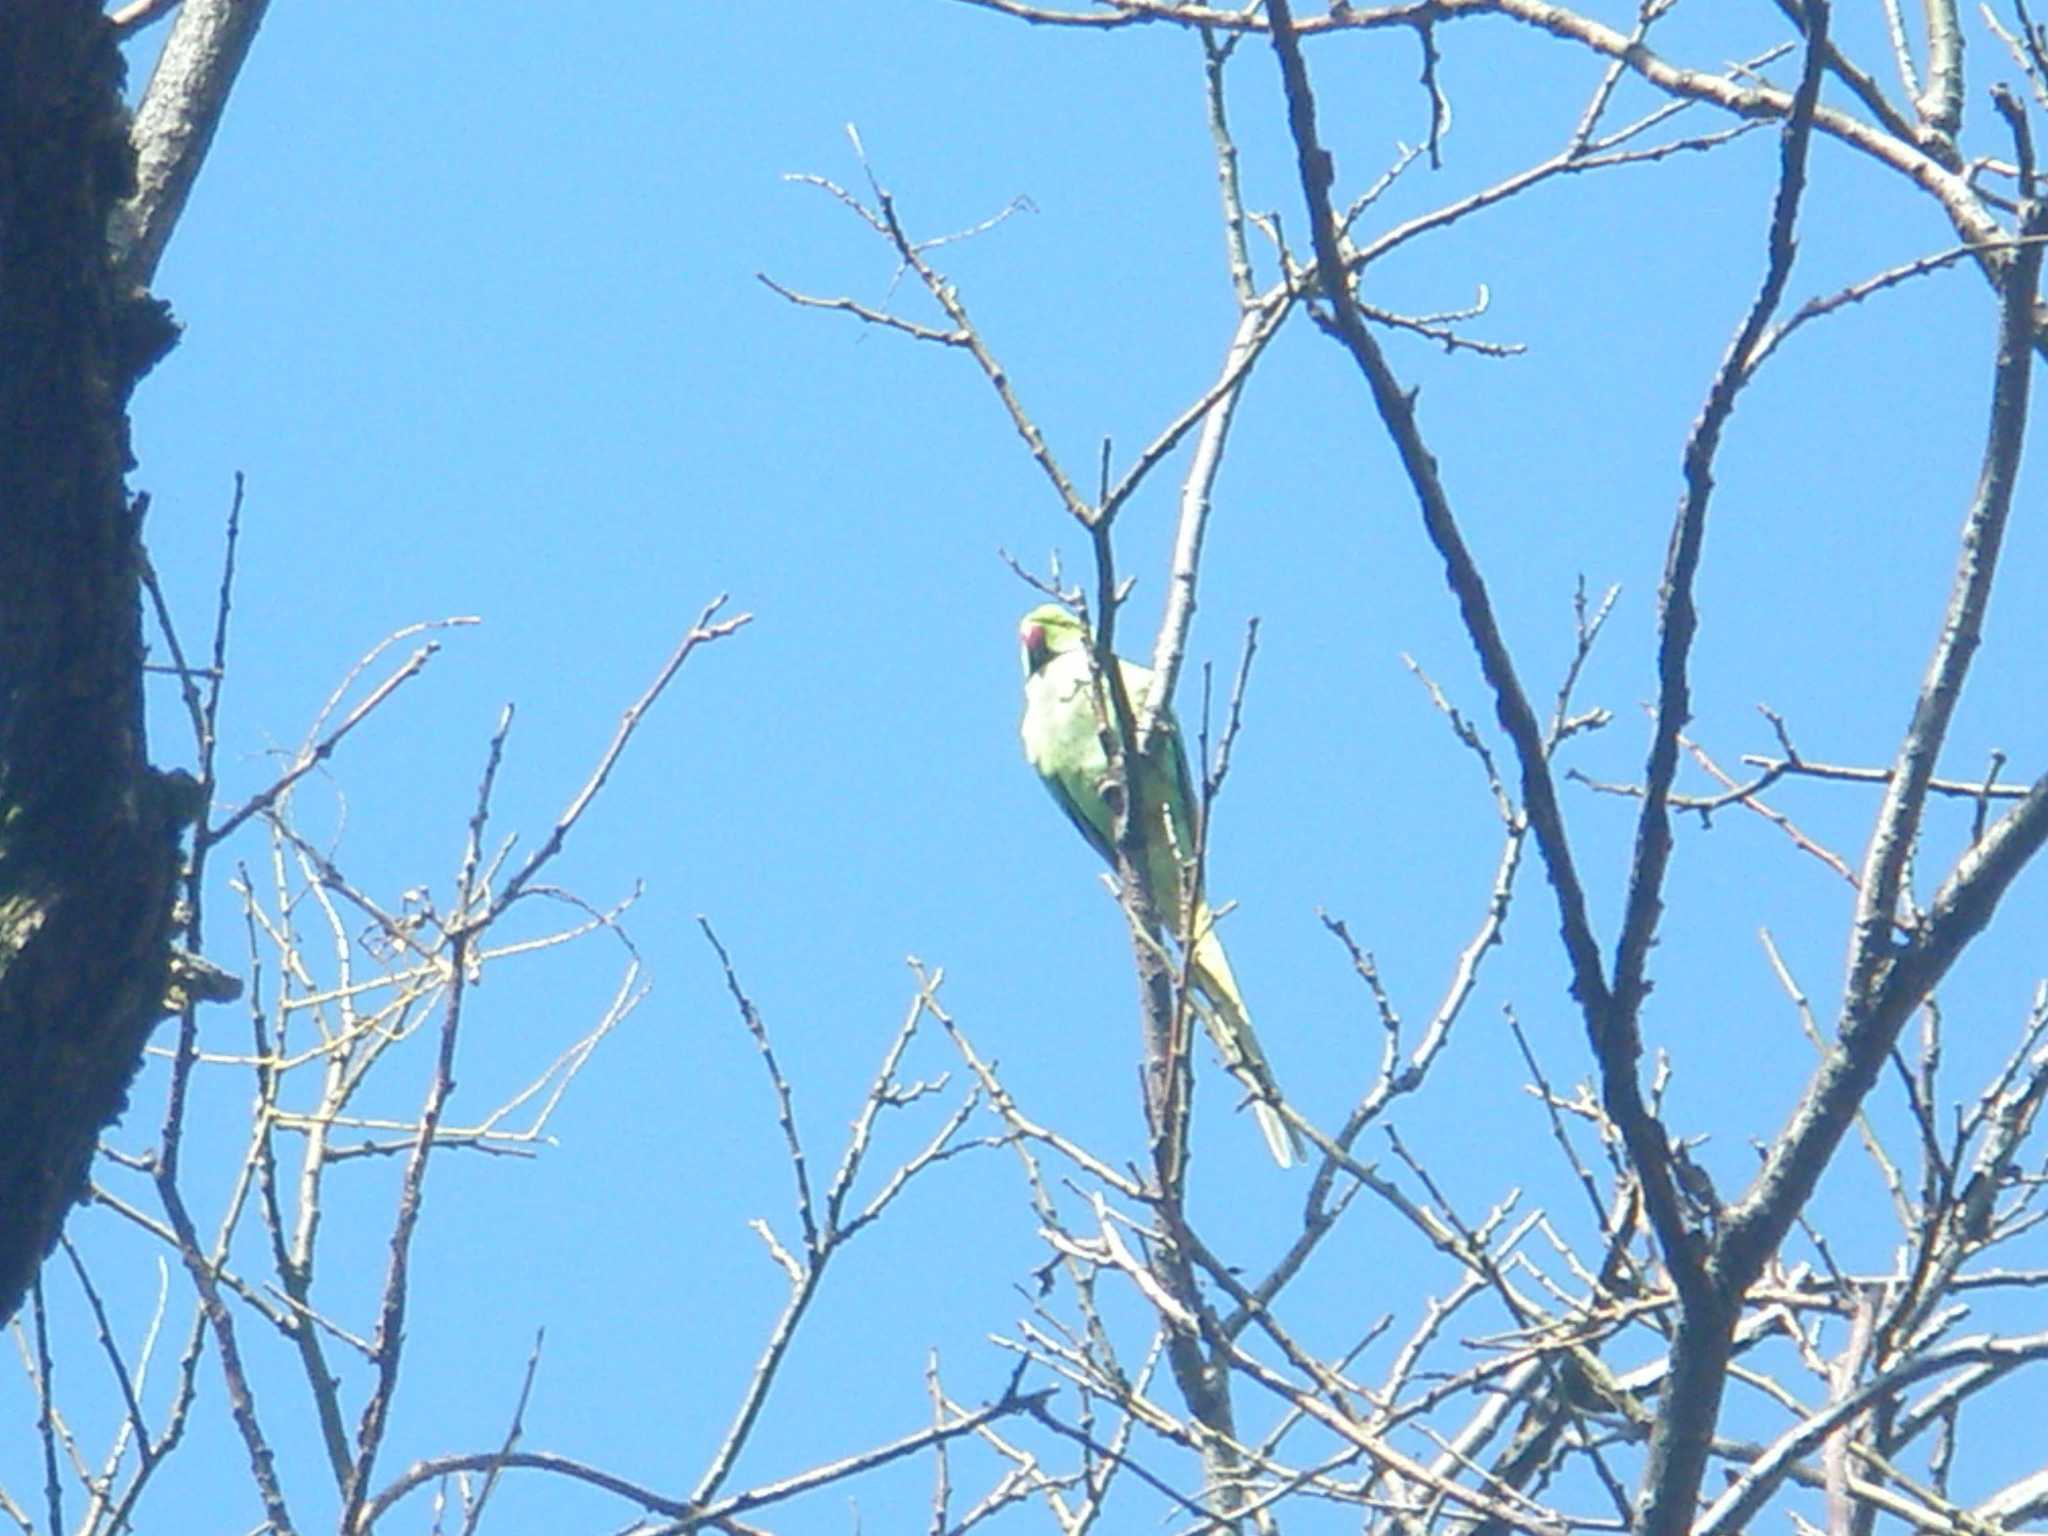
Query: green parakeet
(1063, 741)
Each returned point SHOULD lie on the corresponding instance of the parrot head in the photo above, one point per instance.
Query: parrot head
(1048, 631)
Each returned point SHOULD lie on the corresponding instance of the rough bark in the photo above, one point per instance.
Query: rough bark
(88, 835)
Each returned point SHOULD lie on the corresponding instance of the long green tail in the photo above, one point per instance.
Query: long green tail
(1230, 1026)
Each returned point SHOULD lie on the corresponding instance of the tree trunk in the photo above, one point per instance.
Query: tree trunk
(88, 838)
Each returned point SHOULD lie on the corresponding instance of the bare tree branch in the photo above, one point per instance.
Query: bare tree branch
(174, 126)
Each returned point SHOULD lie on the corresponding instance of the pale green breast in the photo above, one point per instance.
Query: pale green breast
(1063, 740)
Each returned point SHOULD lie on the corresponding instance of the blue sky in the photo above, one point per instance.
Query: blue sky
(471, 303)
